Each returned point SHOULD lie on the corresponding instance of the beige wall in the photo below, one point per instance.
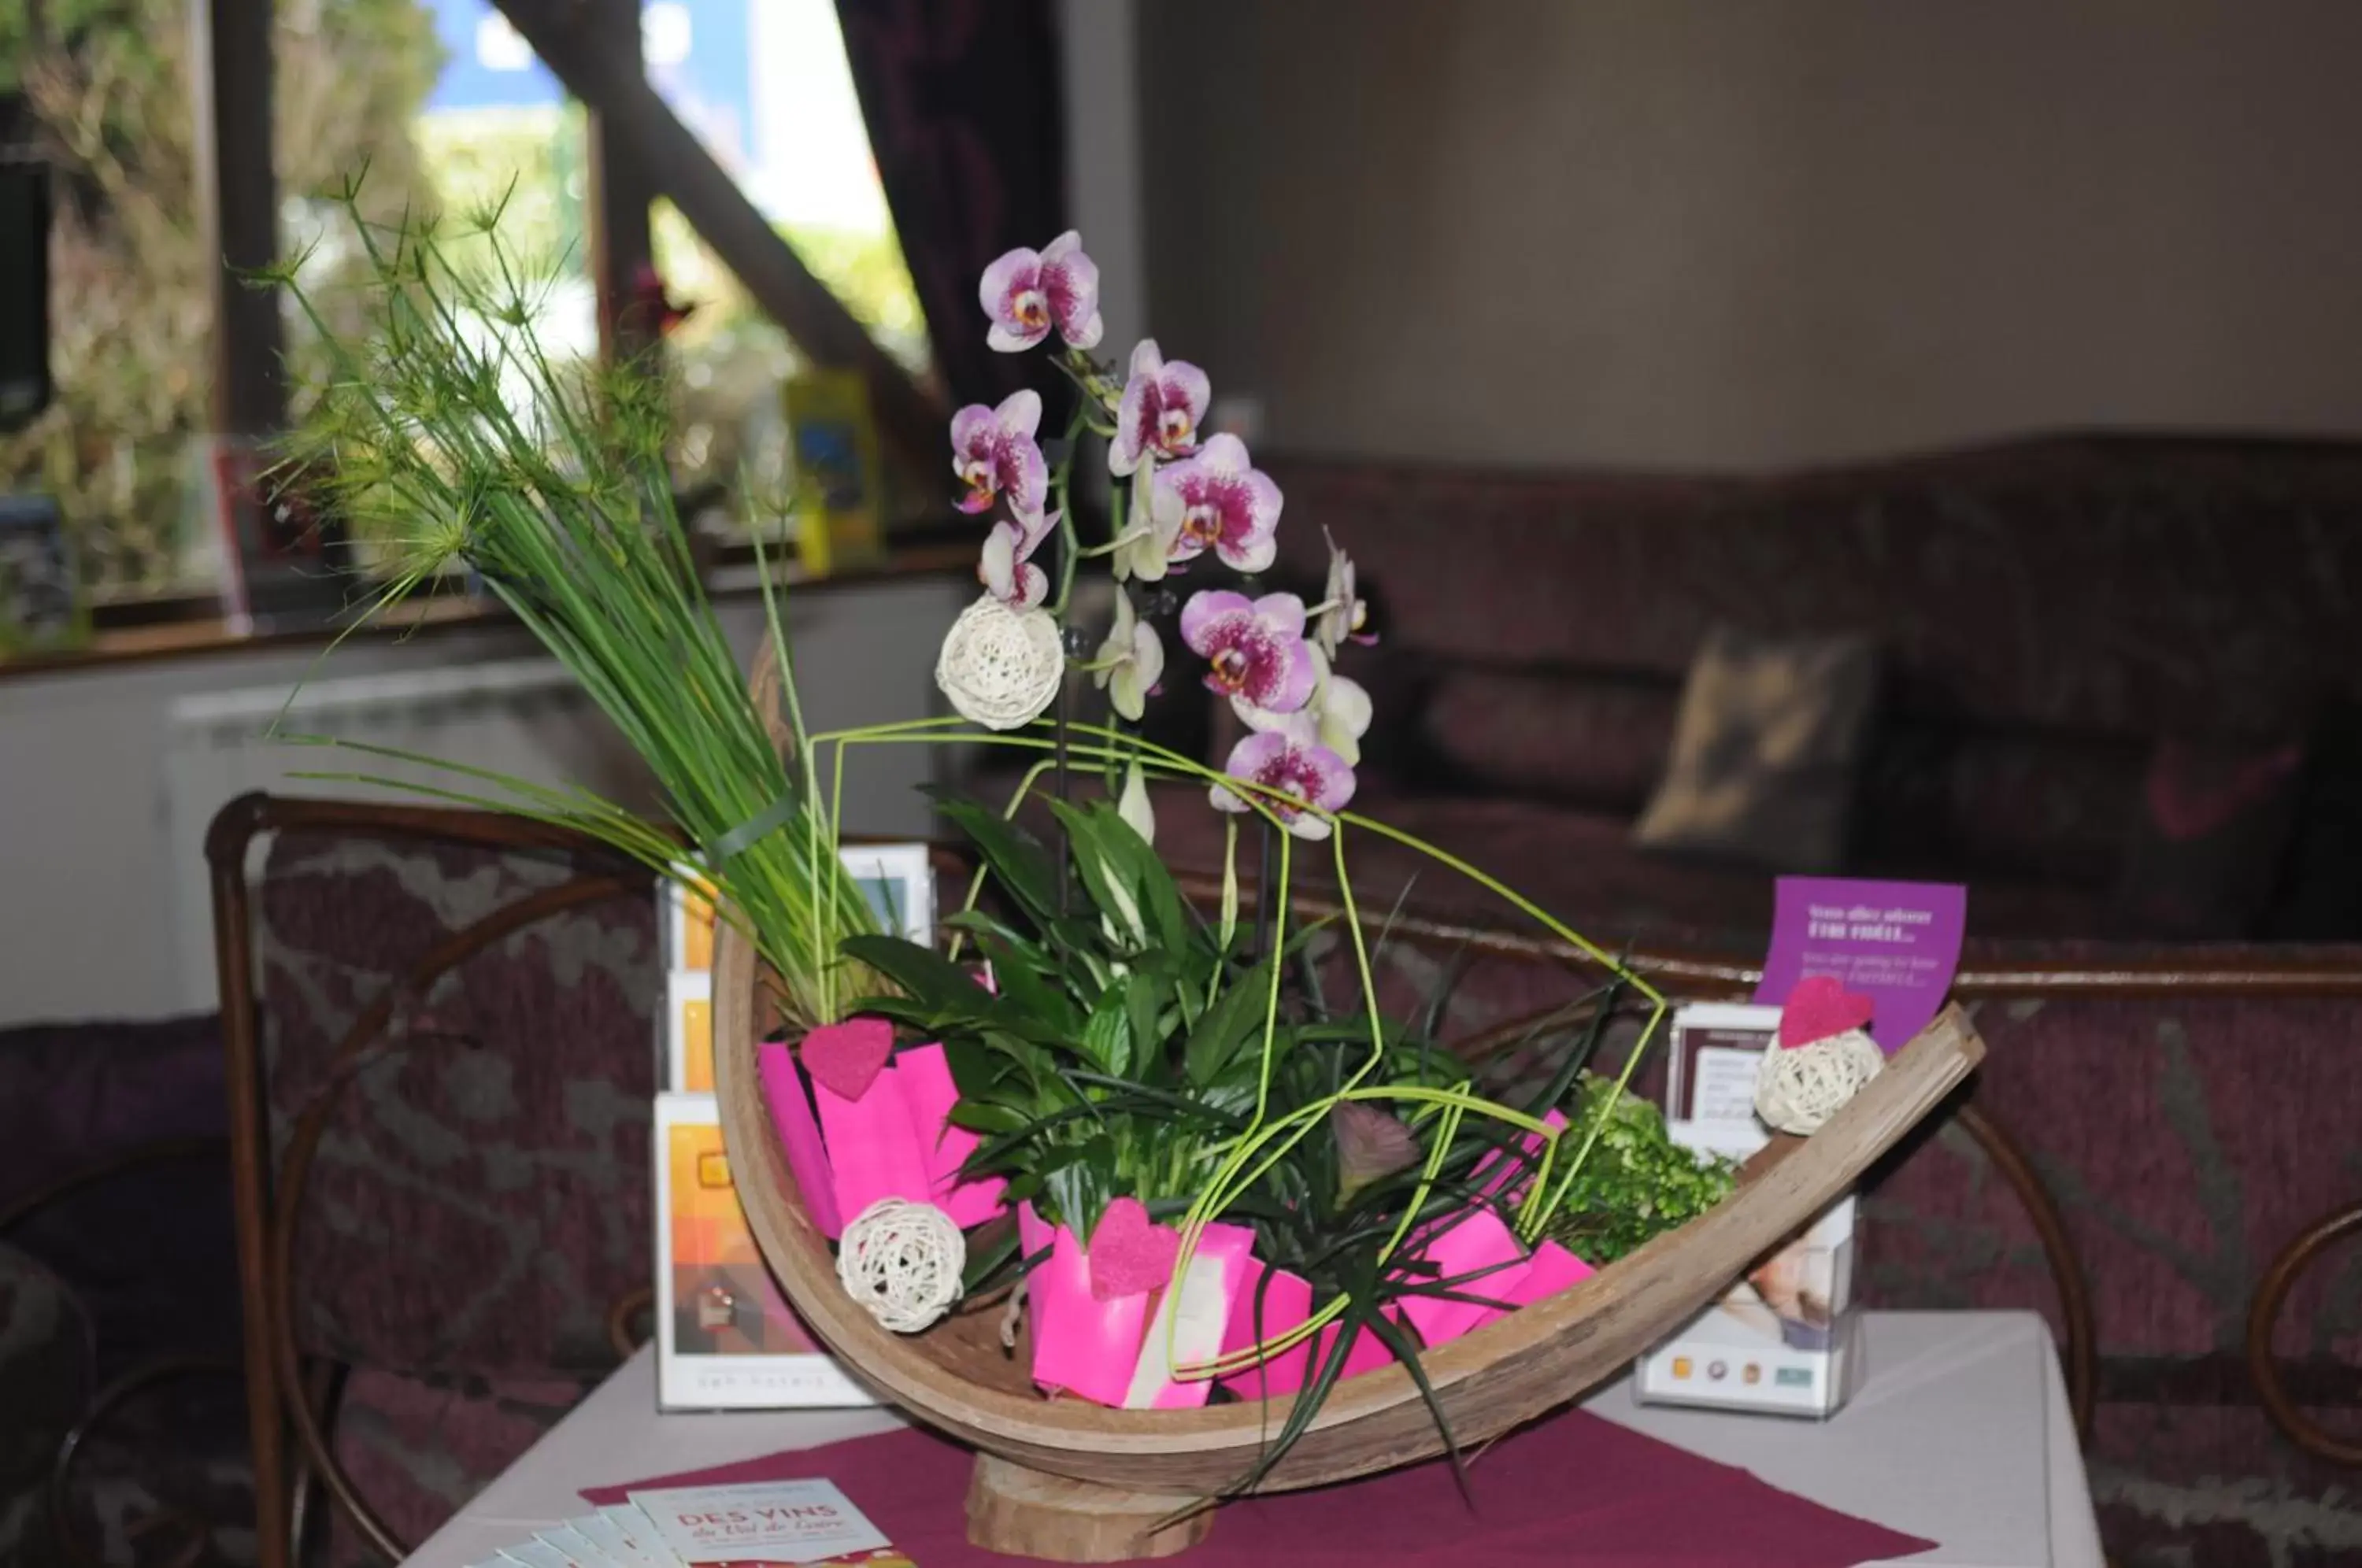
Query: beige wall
(1694, 232)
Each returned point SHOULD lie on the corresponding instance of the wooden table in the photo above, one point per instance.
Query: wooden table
(1961, 1434)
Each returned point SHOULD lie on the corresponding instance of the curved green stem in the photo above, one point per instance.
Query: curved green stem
(1062, 484)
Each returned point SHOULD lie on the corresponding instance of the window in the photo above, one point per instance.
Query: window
(765, 86)
(446, 108)
(98, 93)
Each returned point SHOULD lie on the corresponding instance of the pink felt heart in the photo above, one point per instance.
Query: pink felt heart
(1820, 1008)
(845, 1058)
(1128, 1252)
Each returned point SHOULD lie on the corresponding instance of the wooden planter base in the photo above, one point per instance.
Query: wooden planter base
(1030, 1513)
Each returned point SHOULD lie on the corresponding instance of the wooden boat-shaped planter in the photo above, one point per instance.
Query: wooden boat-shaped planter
(1076, 1482)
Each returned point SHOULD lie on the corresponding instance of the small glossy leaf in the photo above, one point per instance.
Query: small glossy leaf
(1241, 1008)
(1107, 1037)
(929, 977)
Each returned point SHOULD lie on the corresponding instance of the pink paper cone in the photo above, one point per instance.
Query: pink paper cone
(1471, 1240)
(791, 1113)
(1082, 1344)
(1034, 1236)
(872, 1150)
(1550, 1270)
(1194, 1329)
(930, 1093)
(1284, 1303)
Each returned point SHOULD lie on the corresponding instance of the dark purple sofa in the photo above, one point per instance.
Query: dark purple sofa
(2045, 612)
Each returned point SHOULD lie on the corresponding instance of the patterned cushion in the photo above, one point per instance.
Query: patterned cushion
(2207, 841)
(1765, 749)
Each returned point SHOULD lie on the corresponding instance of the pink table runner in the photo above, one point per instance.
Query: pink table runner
(1572, 1489)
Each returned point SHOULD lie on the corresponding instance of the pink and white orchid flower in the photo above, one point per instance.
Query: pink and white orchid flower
(1007, 571)
(1217, 499)
(1341, 613)
(1339, 709)
(1160, 409)
(1132, 660)
(1253, 648)
(994, 453)
(1292, 761)
(1025, 292)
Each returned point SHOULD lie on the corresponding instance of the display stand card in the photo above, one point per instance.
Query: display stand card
(898, 881)
(1712, 1059)
(1783, 1337)
(688, 914)
(688, 1032)
(1896, 942)
(726, 1338)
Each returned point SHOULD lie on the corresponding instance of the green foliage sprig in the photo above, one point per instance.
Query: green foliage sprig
(447, 429)
(1637, 1184)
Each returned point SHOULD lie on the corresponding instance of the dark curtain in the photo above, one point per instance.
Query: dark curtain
(963, 103)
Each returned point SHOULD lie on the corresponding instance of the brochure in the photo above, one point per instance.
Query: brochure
(771, 1524)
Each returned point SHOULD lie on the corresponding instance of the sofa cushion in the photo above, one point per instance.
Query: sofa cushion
(1765, 749)
(2207, 841)
(1592, 739)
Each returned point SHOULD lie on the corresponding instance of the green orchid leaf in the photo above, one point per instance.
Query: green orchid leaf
(1025, 993)
(983, 1116)
(1018, 860)
(992, 1249)
(1019, 947)
(1139, 1099)
(929, 977)
(1144, 991)
(1225, 1027)
(1113, 892)
(1167, 913)
(1107, 1037)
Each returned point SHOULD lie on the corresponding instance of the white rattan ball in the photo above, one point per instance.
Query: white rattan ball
(1799, 1088)
(999, 666)
(902, 1261)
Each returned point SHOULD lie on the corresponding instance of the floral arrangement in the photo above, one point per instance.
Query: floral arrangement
(1181, 503)
(1192, 1138)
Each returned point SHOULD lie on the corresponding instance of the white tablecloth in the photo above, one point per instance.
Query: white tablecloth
(1960, 1433)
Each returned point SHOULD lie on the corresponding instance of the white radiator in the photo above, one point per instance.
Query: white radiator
(522, 717)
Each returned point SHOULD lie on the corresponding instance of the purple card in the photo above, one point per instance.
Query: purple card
(1896, 942)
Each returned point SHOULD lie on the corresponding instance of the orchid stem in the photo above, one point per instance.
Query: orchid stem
(1062, 484)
